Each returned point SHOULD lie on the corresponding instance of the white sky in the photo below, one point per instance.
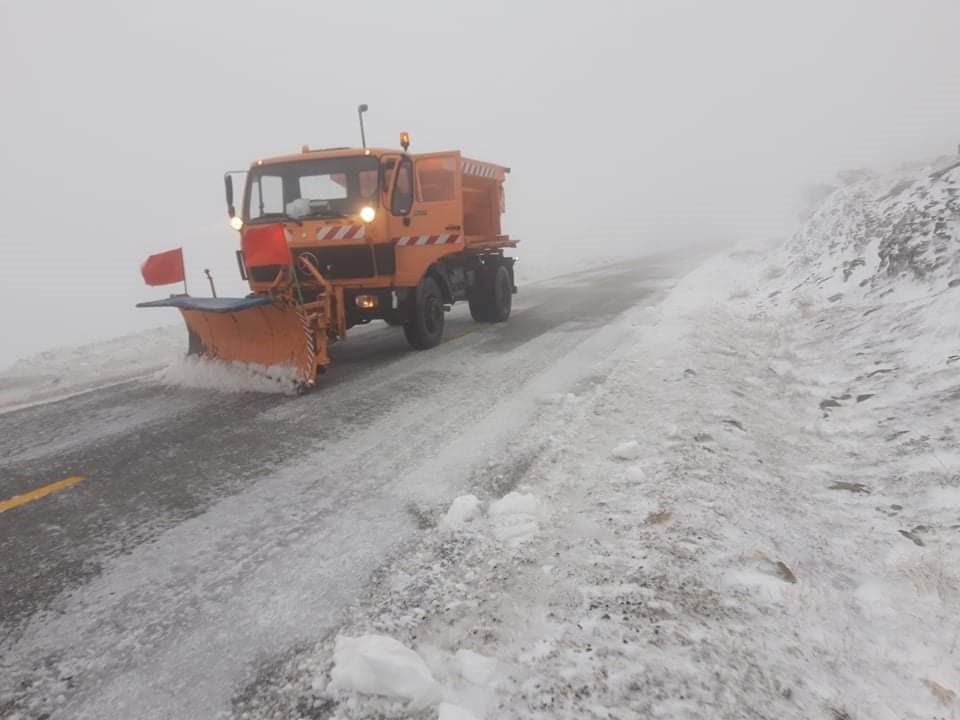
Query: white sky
(626, 123)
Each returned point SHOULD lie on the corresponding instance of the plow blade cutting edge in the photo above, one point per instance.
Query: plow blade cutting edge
(257, 330)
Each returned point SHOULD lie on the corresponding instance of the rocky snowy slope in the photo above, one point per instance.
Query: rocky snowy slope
(754, 513)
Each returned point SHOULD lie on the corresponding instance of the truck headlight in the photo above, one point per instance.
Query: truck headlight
(367, 214)
(236, 223)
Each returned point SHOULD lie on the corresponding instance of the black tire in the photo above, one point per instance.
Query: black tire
(425, 328)
(478, 297)
(479, 306)
(501, 296)
(492, 298)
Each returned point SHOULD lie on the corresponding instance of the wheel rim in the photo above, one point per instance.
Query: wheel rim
(432, 314)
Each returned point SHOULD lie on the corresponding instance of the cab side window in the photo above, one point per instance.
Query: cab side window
(435, 179)
(403, 188)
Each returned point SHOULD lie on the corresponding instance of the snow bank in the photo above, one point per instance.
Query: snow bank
(152, 356)
(62, 373)
(783, 543)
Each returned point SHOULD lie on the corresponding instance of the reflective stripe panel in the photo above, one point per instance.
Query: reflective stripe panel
(341, 232)
(407, 240)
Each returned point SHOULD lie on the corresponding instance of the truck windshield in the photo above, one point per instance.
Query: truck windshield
(318, 187)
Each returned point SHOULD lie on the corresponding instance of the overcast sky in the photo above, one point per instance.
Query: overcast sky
(626, 124)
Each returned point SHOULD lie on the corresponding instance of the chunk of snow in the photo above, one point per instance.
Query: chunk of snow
(380, 665)
(629, 450)
(515, 517)
(462, 510)
(448, 711)
(476, 668)
(514, 503)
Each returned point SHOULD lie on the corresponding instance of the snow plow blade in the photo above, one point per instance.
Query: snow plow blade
(256, 330)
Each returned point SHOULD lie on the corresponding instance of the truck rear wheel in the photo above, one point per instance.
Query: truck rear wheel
(425, 328)
(492, 298)
(479, 308)
(501, 302)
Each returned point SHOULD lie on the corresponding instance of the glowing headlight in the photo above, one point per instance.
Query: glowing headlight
(366, 302)
(236, 223)
(368, 214)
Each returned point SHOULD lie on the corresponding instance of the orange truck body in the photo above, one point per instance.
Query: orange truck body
(335, 238)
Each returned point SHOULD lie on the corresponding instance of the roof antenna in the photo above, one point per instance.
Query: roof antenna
(361, 109)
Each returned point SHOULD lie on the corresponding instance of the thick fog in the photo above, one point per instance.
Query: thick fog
(628, 126)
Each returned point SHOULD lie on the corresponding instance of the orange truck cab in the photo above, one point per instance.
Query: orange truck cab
(340, 237)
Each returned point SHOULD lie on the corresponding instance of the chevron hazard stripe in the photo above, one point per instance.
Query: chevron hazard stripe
(341, 232)
(427, 240)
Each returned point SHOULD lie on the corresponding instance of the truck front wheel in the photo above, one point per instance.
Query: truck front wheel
(425, 328)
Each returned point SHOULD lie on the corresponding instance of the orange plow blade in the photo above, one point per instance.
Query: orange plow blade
(271, 334)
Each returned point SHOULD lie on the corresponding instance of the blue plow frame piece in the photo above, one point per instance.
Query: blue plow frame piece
(219, 305)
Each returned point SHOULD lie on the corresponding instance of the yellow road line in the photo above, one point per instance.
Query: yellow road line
(462, 334)
(18, 500)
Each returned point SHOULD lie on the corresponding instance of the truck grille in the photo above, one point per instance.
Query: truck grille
(349, 261)
(264, 273)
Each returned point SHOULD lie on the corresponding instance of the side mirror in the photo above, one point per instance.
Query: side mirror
(228, 185)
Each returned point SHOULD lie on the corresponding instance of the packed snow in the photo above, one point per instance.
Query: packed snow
(755, 512)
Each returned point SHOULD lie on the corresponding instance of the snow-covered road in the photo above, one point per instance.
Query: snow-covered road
(214, 533)
(733, 494)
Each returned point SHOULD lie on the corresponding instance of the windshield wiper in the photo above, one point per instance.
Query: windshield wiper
(326, 213)
(276, 216)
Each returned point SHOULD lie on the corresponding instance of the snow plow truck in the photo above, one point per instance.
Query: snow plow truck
(339, 237)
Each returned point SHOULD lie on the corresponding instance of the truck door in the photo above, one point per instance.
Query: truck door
(427, 212)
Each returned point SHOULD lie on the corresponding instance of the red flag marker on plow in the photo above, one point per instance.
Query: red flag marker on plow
(164, 268)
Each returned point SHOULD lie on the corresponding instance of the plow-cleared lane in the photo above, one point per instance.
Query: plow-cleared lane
(212, 532)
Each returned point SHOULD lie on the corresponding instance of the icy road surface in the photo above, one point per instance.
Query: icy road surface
(215, 532)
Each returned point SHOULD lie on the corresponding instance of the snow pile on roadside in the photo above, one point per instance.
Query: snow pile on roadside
(156, 355)
(756, 512)
(61, 373)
